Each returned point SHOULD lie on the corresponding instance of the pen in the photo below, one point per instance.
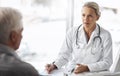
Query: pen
(72, 70)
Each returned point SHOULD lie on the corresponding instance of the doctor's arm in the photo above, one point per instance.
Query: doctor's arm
(65, 51)
(106, 59)
(64, 54)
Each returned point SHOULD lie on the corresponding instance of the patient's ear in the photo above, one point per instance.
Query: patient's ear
(13, 37)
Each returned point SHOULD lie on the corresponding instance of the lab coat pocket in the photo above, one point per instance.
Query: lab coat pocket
(97, 51)
(78, 54)
(94, 55)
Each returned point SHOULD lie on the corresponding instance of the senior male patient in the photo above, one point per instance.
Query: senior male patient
(10, 37)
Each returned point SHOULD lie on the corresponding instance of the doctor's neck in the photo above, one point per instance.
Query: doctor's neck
(89, 30)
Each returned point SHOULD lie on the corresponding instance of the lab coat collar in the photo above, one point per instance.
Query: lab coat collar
(82, 36)
(96, 30)
(94, 33)
(81, 28)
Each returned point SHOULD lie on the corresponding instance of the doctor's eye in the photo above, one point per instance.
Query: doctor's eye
(83, 15)
(90, 16)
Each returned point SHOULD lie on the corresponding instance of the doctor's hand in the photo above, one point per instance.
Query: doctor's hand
(81, 68)
(50, 67)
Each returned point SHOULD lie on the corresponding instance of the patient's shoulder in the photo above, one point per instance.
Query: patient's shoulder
(18, 69)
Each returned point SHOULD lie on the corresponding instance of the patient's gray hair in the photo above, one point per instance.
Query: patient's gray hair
(93, 5)
(10, 20)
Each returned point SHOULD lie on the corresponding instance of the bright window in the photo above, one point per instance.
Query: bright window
(44, 29)
(45, 23)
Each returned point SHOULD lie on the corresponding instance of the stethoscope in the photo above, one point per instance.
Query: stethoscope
(95, 38)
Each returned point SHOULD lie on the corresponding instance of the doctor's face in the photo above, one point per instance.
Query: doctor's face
(89, 17)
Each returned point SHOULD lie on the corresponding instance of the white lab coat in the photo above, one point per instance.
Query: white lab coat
(97, 59)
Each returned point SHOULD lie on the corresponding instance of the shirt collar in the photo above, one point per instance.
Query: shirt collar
(8, 50)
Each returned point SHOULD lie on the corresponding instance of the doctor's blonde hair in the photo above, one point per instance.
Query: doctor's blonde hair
(93, 5)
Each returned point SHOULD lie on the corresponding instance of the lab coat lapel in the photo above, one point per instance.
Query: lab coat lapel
(82, 36)
(93, 35)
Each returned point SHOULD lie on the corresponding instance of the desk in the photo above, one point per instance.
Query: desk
(60, 72)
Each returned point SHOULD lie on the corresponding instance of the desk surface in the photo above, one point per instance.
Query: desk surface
(60, 72)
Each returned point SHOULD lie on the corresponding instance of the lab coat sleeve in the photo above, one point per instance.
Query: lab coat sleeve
(106, 59)
(65, 51)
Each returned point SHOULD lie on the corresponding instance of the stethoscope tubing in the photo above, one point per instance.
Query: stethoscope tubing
(98, 36)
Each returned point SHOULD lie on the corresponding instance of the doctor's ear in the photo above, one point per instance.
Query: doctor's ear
(98, 17)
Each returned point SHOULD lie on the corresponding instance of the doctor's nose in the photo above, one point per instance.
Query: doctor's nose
(85, 19)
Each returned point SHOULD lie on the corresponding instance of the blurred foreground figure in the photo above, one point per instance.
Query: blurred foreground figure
(10, 37)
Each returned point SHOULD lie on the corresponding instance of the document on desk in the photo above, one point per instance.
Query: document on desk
(44, 73)
(53, 73)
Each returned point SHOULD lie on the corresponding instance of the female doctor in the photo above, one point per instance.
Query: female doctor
(87, 47)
